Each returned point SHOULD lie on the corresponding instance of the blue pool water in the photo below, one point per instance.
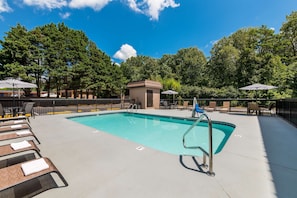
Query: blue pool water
(160, 132)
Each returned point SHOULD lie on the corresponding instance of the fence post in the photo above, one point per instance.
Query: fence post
(54, 107)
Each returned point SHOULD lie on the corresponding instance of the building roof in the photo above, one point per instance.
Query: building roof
(145, 83)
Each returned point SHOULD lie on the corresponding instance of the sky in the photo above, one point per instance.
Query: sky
(126, 28)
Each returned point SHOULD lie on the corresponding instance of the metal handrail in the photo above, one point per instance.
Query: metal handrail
(209, 154)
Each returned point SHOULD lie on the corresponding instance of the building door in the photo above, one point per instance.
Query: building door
(149, 95)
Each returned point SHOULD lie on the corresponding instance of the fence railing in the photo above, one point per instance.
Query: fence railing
(52, 106)
(287, 109)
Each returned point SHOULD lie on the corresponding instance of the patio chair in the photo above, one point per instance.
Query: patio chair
(253, 108)
(30, 178)
(269, 109)
(226, 107)
(166, 105)
(185, 105)
(173, 105)
(27, 109)
(211, 107)
(3, 112)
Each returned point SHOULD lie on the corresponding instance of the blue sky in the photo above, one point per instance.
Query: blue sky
(125, 28)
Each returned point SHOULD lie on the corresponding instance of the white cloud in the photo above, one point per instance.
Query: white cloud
(46, 4)
(4, 7)
(65, 15)
(133, 5)
(152, 8)
(125, 52)
(94, 4)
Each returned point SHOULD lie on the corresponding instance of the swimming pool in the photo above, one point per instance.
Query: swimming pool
(159, 132)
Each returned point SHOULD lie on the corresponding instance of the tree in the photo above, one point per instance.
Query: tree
(36, 56)
(288, 34)
(166, 63)
(140, 68)
(222, 66)
(190, 65)
(291, 80)
(65, 58)
(15, 52)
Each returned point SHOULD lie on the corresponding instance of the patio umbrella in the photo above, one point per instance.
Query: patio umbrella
(257, 87)
(15, 84)
(170, 92)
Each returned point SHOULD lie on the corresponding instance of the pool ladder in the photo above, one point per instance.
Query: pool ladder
(209, 154)
(132, 107)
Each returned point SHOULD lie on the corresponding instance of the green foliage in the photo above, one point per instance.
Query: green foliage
(171, 83)
(190, 65)
(288, 34)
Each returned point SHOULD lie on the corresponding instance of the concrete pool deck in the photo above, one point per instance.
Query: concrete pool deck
(259, 160)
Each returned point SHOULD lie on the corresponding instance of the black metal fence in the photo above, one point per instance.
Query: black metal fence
(287, 109)
(52, 106)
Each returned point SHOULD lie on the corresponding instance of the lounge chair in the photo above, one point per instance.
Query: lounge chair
(29, 178)
(14, 122)
(18, 152)
(19, 147)
(253, 108)
(211, 107)
(17, 158)
(14, 127)
(20, 134)
(226, 107)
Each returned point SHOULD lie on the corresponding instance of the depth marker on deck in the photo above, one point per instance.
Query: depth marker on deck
(139, 148)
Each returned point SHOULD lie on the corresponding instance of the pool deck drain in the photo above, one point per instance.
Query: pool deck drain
(259, 160)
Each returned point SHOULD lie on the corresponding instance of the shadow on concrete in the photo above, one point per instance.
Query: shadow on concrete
(195, 166)
(280, 142)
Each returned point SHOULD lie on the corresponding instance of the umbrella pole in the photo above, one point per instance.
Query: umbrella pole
(13, 99)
